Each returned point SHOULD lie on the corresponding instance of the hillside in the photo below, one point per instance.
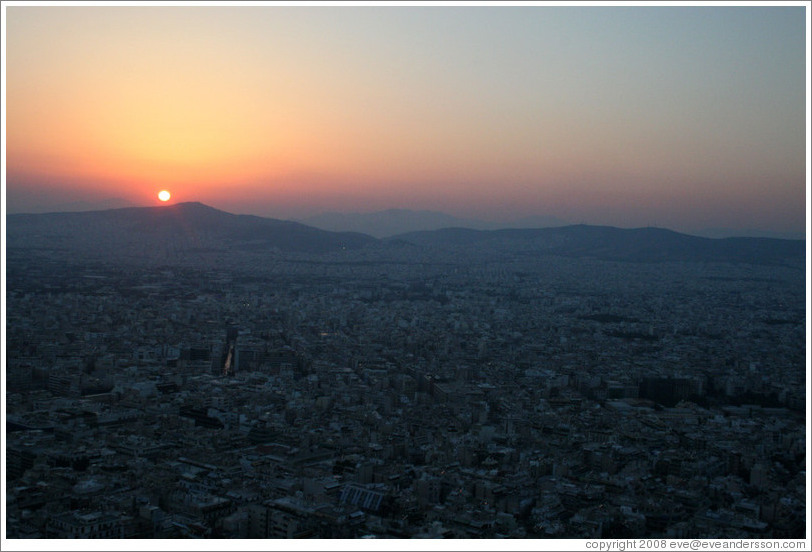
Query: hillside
(188, 230)
(609, 243)
(184, 227)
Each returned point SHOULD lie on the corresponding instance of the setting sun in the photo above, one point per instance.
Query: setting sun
(163, 195)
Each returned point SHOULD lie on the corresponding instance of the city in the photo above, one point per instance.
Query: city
(533, 271)
(403, 393)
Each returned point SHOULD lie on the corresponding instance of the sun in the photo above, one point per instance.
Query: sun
(163, 195)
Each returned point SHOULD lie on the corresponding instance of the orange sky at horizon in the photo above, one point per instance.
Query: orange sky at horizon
(298, 110)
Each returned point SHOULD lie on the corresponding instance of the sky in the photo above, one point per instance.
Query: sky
(679, 117)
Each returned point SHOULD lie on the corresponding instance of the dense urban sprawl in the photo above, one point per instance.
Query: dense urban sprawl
(346, 396)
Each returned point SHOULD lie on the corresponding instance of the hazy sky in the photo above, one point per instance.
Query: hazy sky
(679, 117)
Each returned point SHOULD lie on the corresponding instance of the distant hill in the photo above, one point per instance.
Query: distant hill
(391, 222)
(189, 231)
(22, 199)
(747, 233)
(382, 224)
(178, 228)
(609, 243)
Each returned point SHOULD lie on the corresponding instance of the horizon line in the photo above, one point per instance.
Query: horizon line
(742, 233)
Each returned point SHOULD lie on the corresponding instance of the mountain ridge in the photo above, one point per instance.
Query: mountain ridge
(188, 225)
(183, 228)
(395, 221)
(646, 244)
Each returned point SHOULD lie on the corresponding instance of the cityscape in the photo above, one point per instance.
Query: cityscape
(388, 275)
(395, 390)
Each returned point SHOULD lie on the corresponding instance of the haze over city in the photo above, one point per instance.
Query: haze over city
(534, 273)
(678, 117)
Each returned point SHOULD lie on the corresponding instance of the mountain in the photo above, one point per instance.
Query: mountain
(173, 229)
(392, 222)
(747, 233)
(104, 204)
(193, 232)
(22, 198)
(609, 243)
(382, 224)
(536, 221)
